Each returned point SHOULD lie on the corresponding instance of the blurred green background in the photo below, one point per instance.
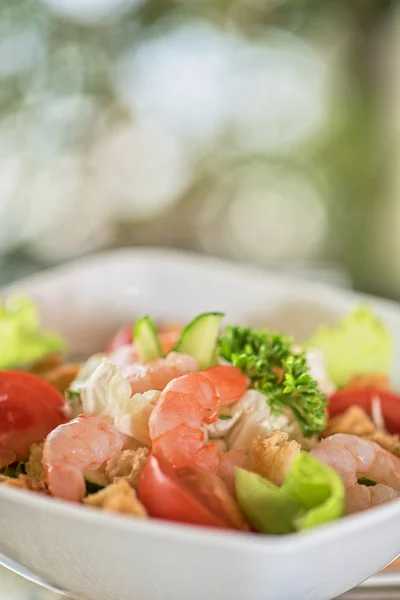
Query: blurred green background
(260, 130)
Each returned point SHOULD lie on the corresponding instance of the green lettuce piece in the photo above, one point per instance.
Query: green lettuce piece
(311, 495)
(359, 344)
(318, 490)
(21, 341)
(267, 508)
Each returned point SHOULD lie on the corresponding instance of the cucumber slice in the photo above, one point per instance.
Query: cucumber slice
(200, 338)
(146, 339)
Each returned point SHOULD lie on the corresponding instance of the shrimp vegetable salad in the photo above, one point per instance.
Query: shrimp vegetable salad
(213, 425)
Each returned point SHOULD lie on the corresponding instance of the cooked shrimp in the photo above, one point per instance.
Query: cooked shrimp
(83, 444)
(155, 375)
(230, 382)
(352, 458)
(186, 404)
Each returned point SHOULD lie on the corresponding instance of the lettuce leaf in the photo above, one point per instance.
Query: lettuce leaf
(311, 495)
(318, 490)
(21, 341)
(359, 344)
(267, 508)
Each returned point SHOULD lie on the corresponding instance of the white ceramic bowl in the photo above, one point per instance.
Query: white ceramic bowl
(109, 557)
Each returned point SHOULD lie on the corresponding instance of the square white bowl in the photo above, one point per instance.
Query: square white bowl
(109, 557)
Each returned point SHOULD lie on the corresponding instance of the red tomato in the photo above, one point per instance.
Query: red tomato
(29, 409)
(187, 495)
(390, 403)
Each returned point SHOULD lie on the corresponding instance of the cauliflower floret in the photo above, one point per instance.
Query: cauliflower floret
(105, 391)
(272, 457)
(127, 465)
(34, 466)
(132, 418)
(86, 370)
(117, 497)
(294, 431)
(251, 417)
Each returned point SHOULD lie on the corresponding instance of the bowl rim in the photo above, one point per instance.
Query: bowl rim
(253, 542)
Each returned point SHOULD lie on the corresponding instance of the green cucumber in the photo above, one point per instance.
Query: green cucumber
(200, 338)
(146, 339)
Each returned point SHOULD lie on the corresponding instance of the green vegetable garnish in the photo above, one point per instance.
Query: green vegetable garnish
(268, 360)
(21, 341)
(266, 507)
(366, 481)
(225, 417)
(146, 339)
(359, 344)
(14, 472)
(200, 339)
(311, 495)
(318, 489)
(93, 488)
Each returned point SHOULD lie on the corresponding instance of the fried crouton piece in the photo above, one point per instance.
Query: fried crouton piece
(34, 466)
(353, 421)
(391, 443)
(45, 364)
(62, 376)
(127, 465)
(24, 483)
(272, 457)
(376, 381)
(117, 497)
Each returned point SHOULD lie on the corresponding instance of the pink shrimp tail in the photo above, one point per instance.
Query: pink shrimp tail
(85, 443)
(229, 382)
(66, 483)
(184, 446)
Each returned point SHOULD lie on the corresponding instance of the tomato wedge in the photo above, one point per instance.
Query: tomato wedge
(188, 495)
(29, 409)
(363, 397)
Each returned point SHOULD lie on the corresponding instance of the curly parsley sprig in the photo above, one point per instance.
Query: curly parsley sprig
(268, 360)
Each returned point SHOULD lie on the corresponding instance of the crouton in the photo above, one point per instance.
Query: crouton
(272, 457)
(391, 443)
(62, 376)
(117, 497)
(127, 465)
(34, 466)
(376, 381)
(24, 483)
(353, 421)
(45, 364)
